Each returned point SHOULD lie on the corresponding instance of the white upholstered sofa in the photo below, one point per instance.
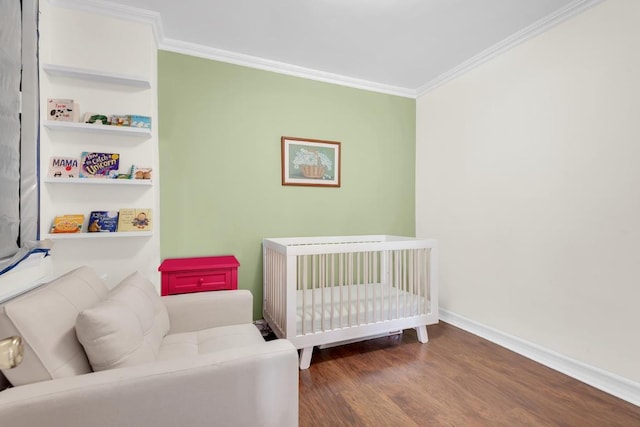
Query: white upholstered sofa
(128, 357)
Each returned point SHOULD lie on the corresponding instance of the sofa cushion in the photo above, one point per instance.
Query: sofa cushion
(126, 328)
(209, 341)
(45, 319)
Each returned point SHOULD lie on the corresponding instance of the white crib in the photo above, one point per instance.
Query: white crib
(324, 290)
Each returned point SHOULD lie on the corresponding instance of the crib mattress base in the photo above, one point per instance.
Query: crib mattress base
(321, 310)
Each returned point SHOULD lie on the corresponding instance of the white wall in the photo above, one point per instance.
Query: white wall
(91, 41)
(528, 174)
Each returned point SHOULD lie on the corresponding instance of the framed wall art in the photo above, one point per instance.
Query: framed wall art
(310, 162)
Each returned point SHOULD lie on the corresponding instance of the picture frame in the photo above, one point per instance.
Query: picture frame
(310, 162)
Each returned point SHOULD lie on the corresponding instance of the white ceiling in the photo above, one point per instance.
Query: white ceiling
(395, 46)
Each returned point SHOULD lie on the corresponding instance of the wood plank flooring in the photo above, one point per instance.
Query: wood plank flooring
(456, 379)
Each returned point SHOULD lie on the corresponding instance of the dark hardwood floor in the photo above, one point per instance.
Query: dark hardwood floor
(456, 379)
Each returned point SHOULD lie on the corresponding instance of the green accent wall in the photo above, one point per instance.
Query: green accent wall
(220, 177)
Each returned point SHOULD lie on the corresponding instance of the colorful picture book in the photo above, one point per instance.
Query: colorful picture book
(143, 122)
(103, 222)
(67, 224)
(132, 120)
(62, 110)
(135, 220)
(117, 120)
(140, 173)
(99, 165)
(63, 167)
(95, 118)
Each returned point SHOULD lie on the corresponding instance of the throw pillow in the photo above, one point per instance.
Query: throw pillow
(126, 328)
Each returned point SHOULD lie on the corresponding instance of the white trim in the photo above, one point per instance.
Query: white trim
(570, 10)
(207, 52)
(606, 381)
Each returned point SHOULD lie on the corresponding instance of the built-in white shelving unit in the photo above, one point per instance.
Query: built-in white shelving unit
(108, 65)
(103, 85)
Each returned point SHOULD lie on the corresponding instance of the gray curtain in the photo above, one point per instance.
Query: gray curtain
(10, 74)
(19, 197)
(29, 139)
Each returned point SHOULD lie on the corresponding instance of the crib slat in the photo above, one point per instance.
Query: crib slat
(314, 262)
(410, 257)
(300, 286)
(405, 282)
(339, 294)
(349, 287)
(279, 283)
(272, 293)
(373, 281)
(426, 277)
(280, 279)
(305, 285)
(422, 290)
(357, 283)
(416, 275)
(387, 282)
(319, 308)
(365, 279)
(323, 282)
(397, 274)
(333, 272)
(394, 314)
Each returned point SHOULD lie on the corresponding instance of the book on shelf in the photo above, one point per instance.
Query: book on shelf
(103, 222)
(67, 223)
(99, 165)
(62, 110)
(120, 120)
(140, 173)
(63, 167)
(135, 220)
(130, 120)
(143, 122)
(96, 118)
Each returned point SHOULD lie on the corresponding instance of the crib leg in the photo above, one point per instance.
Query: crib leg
(422, 334)
(305, 357)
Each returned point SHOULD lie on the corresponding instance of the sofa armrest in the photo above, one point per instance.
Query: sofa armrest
(203, 310)
(248, 386)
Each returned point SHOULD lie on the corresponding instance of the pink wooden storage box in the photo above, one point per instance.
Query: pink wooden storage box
(203, 274)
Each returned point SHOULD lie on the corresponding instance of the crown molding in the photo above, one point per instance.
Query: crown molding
(207, 52)
(119, 11)
(570, 10)
(608, 382)
(155, 20)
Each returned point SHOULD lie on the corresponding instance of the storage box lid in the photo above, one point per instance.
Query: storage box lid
(199, 263)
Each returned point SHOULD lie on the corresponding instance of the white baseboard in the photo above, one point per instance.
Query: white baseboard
(606, 381)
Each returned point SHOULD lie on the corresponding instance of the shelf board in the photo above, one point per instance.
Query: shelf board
(65, 236)
(104, 129)
(99, 181)
(96, 76)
